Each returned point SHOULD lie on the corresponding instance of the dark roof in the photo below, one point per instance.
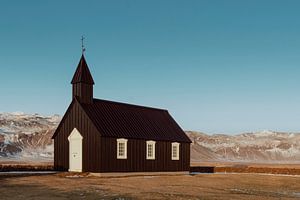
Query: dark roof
(114, 119)
(82, 74)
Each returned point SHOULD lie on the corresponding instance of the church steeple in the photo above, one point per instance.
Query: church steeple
(83, 82)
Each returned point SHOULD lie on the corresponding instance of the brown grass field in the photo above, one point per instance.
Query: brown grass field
(269, 168)
(202, 186)
(241, 181)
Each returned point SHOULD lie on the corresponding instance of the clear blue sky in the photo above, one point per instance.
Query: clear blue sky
(217, 66)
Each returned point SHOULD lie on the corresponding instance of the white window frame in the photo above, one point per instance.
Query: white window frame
(152, 143)
(175, 145)
(122, 141)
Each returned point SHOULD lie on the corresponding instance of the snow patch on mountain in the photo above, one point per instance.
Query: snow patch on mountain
(264, 146)
(27, 136)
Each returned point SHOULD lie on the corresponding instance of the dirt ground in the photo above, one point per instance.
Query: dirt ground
(204, 186)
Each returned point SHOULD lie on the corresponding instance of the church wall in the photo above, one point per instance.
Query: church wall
(136, 157)
(76, 118)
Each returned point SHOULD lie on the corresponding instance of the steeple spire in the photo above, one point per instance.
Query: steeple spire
(82, 74)
(83, 82)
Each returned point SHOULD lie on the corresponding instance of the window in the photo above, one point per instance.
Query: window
(175, 151)
(121, 148)
(150, 150)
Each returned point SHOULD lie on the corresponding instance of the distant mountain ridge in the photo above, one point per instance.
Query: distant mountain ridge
(264, 146)
(27, 137)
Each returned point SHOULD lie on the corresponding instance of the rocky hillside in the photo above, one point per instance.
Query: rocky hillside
(27, 137)
(265, 146)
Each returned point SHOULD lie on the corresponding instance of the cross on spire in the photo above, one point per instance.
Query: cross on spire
(82, 45)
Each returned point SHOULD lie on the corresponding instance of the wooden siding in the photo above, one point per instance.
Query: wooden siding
(84, 92)
(136, 157)
(76, 118)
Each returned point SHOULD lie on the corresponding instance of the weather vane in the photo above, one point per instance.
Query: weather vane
(82, 45)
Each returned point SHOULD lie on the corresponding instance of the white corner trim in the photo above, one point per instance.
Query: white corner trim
(152, 143)
(122, 141)
(176, 146)
(75, 135)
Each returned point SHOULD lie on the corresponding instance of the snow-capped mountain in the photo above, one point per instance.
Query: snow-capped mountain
(28, 137)
(264, 146)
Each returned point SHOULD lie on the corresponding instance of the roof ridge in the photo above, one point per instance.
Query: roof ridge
(128, 104)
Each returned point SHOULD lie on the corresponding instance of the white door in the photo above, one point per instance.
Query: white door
(75, 151)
